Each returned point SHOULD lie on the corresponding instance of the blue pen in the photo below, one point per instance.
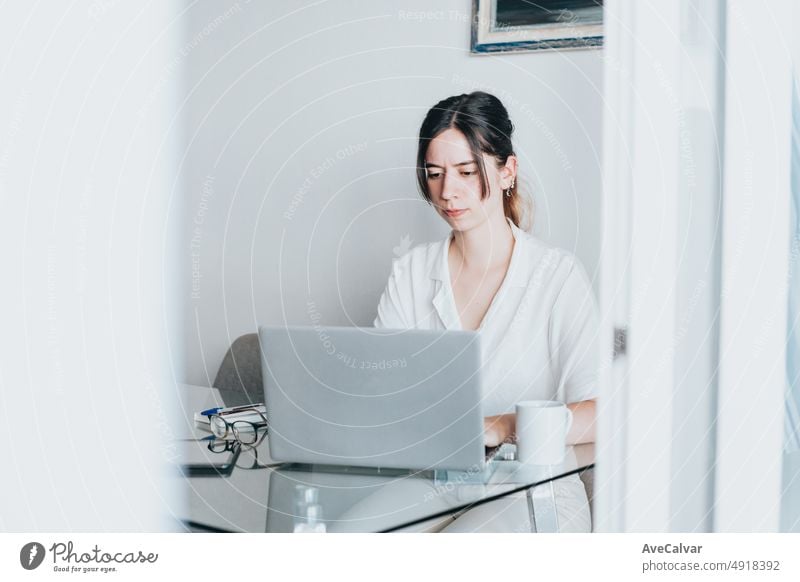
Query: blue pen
(211, 411)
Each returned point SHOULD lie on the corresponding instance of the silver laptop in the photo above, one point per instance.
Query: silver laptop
(368, 397)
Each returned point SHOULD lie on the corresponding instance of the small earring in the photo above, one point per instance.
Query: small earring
(508, 192)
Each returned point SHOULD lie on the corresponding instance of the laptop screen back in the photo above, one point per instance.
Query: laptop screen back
(373, 397)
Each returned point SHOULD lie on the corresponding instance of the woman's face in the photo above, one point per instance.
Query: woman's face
(454, 182)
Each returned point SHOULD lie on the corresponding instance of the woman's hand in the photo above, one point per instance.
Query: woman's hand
(499, 429)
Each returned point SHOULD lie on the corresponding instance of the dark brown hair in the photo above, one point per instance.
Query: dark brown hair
(484, 121)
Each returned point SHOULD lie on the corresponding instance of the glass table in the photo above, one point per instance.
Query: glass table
(256, 494)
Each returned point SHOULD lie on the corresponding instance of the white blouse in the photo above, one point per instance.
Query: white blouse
(539, 336)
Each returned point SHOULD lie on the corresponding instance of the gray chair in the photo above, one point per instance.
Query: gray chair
(239, 378)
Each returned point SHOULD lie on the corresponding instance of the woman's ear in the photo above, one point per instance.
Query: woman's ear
(509, 171)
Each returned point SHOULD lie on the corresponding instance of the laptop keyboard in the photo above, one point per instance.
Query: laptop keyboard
(495, 457)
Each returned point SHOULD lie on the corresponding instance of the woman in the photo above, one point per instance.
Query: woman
(531, 303)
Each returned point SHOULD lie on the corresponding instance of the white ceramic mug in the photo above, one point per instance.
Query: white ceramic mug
(542, 427)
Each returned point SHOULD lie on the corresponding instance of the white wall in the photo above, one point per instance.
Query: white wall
(302, 138)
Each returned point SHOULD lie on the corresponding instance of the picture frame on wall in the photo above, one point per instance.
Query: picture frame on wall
(534, 25)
